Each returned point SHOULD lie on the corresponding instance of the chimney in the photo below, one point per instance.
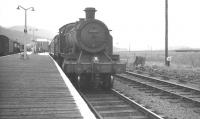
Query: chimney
(90, 13)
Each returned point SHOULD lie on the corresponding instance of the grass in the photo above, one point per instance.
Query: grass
(183, 66)
(178, 59)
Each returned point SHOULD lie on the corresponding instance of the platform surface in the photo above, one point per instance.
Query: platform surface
(34, 89)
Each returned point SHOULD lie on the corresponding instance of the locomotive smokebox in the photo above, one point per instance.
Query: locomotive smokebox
(90, 12)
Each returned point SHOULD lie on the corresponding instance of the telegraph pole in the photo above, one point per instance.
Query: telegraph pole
(166, 33)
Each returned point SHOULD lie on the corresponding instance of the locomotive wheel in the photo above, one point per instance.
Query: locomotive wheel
(73, 78)
(106, 81)
(84, 81)
(60, 61)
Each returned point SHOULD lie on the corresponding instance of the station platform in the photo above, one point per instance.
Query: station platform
(36, 88)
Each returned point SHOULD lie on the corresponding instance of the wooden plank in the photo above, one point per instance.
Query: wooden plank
(34, 89)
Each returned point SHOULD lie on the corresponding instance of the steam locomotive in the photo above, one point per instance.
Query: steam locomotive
(84, 50)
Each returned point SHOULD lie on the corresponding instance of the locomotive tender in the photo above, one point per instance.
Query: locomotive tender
(84, 50)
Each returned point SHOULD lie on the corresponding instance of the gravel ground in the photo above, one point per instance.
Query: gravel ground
(172, 110)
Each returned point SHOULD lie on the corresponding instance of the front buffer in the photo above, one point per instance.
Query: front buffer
(92, 75)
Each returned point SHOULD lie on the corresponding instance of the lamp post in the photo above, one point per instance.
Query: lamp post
(25, 27)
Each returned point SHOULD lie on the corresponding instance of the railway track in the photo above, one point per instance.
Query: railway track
(164, 89)
(114, 105)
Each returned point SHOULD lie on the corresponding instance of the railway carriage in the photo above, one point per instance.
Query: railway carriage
(8, 46)
(84, 50)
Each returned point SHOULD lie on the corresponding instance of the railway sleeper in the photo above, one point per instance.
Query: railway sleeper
(105, 99)
(197, 111)
(114, 107)
(116, 113)
(175, 101)
(150, 91)
(168, 97)
(107, 103)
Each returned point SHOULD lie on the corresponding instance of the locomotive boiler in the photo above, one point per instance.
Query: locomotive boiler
(84, 50)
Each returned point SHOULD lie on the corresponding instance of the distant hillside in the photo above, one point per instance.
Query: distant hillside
(40, 33)
(184, 49)
(14, 35)
(116, 49)
(188, 50)
(17, 33)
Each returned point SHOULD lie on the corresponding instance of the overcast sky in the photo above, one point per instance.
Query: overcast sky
(140, 23)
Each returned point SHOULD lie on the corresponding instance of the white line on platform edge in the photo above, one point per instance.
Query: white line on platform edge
(84, 109)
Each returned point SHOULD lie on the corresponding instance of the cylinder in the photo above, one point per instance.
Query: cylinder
(90, 12)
